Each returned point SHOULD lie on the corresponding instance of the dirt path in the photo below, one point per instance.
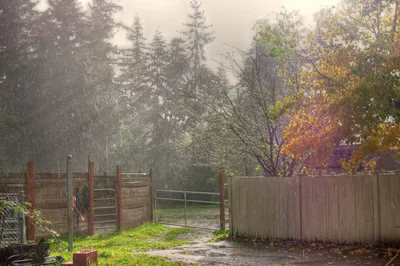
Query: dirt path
(251, 253)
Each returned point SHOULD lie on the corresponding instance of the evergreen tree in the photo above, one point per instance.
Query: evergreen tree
(156, 76)
(177, 70)
(60, 120)
(101, 91)
(198, 81)
(198, 34)
(178, 62)
(133, 64)
(18, 22)
(163, 126)
(131, 146)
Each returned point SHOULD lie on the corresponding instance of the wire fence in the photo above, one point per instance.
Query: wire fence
(188, 208)
(12, 221)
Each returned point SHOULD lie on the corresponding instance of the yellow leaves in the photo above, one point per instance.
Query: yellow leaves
(258, 168)
(370, 165)
(351, 89)
(311, 131)
(385, 137)
(353, 163)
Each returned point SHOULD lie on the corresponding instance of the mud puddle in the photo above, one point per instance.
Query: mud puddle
(226, 252)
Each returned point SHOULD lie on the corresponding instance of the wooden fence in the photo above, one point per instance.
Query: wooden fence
(47, 193)
(345, 209)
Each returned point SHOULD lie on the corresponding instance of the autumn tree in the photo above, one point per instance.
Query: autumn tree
(354, 94)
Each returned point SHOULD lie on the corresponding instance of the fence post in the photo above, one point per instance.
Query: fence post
(248, 171)
(152, 198)
(22, 228)
(91, 199)
(230, 200)
(30, 195)
(119, 198)
(69, 199)
(222, 198)
(185, 215)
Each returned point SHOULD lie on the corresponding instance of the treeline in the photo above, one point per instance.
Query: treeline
(66, 89)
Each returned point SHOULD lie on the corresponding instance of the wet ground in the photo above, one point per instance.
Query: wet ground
(268, 253)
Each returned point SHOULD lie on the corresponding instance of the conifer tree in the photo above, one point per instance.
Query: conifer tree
(133, 64)
(18, 27)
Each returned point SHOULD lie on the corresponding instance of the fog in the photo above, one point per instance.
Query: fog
(232, 20)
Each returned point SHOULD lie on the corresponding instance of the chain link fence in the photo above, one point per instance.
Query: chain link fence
(12, 220)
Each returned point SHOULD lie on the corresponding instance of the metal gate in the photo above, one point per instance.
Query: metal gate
(12, 223)
(105, 210)
(188, 208)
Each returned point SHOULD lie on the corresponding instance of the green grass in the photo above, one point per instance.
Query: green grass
(172, 234)
(220, 235)
(120, 248)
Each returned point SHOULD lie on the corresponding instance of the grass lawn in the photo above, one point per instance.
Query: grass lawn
(121, 248)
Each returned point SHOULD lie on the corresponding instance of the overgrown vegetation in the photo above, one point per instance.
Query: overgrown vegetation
(121, 248)
(14, 208)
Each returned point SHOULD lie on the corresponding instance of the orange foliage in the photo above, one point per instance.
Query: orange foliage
(311, 132)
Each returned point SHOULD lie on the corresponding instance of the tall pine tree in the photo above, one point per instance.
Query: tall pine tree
(18, 24)
(59, 119)
(156, 98)
(133, 64)
(100, 90)
(198, 34)
(199, 80)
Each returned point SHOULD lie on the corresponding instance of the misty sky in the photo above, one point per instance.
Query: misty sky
(232, 20)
